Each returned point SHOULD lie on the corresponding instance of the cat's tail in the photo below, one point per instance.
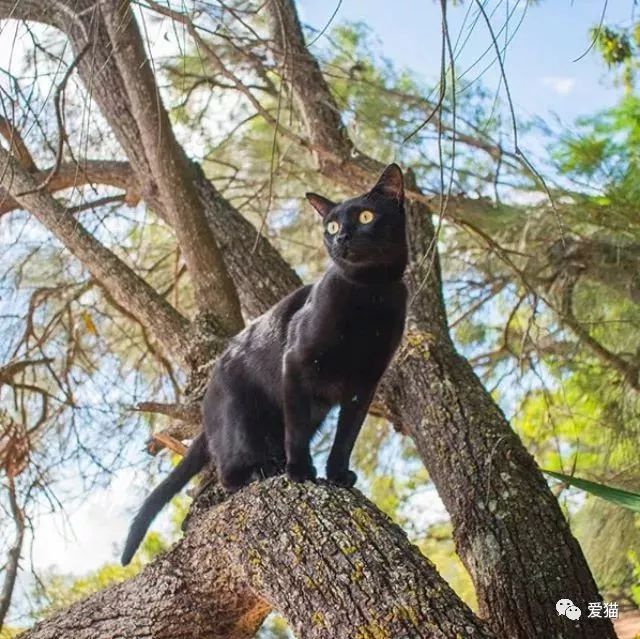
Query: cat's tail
(189, 466)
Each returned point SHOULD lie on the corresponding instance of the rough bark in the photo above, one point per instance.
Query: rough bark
(170, 167)
(461, 434)
(334, 565)
(16, 144)
(117, 75)
(260, 274)
(508, 527)
(320, 115)
(10, 567)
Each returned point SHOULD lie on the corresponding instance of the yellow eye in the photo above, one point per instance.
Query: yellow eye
(333, 227)
(365, 217)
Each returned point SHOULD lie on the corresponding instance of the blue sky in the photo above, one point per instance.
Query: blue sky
(543, 77)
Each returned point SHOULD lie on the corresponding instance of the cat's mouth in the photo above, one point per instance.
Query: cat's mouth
(346, 253)
(354, 255)
(353, 258)
(342, 251)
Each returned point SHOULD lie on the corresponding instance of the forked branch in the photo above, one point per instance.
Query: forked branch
(167, 325)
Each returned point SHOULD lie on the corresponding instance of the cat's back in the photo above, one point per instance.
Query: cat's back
(257, 349)
(271, 327)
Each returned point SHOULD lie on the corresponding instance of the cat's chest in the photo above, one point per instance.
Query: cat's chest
(352, 354)
(354, 340)
(365, 327)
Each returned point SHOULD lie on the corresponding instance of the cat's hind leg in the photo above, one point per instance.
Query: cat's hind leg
(234, 478)
(248, 444)
(238, 475)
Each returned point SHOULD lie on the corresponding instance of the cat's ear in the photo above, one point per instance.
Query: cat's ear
(390, 184)
(319, 203)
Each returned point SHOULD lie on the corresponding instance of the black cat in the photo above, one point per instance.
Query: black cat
(323, 345)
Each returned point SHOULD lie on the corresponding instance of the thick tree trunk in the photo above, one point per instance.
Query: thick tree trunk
(508, 527)
(259, 272)
(326, 558)
(172, 171)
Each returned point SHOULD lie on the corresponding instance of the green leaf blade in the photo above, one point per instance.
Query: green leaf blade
(623, 498)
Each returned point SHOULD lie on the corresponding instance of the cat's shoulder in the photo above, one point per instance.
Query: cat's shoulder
(287, 306)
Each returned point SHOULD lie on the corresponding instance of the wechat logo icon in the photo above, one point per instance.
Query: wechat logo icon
(565, 607)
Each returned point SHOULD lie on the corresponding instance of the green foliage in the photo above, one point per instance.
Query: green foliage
(575, 409)
(571, 406)
(608, 535)
(619, 48)
(614, 46)
(580, 410)
(586, 419)
(606, 147)
(437, 544)
(63, 590)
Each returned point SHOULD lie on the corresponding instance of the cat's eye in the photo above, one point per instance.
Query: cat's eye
(333, 227)
(365, 217)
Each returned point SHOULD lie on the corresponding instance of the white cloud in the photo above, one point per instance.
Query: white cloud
(92, 534)
(84, 538)
(560, 84)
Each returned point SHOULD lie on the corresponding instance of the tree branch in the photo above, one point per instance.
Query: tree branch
(189, 413)
(326, 558)
(614, 265)
(259, 272)
(629, 371)
(508, 526)
(9, 370)
(489, 483)
(320, 115)
(58, 101)
(459, 430)
(11, 567)
(171, 169)
(69, 175)
(17, 145)
(129, 290)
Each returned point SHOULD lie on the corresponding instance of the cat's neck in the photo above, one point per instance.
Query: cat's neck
(374, 275)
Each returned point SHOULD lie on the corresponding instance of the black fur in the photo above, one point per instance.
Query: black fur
(190, 465)
(323, 345)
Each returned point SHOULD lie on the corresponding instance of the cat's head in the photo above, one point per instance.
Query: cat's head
(367, 233)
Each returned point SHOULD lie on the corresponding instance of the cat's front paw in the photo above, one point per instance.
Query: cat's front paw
(301, 472)
(344, 478)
